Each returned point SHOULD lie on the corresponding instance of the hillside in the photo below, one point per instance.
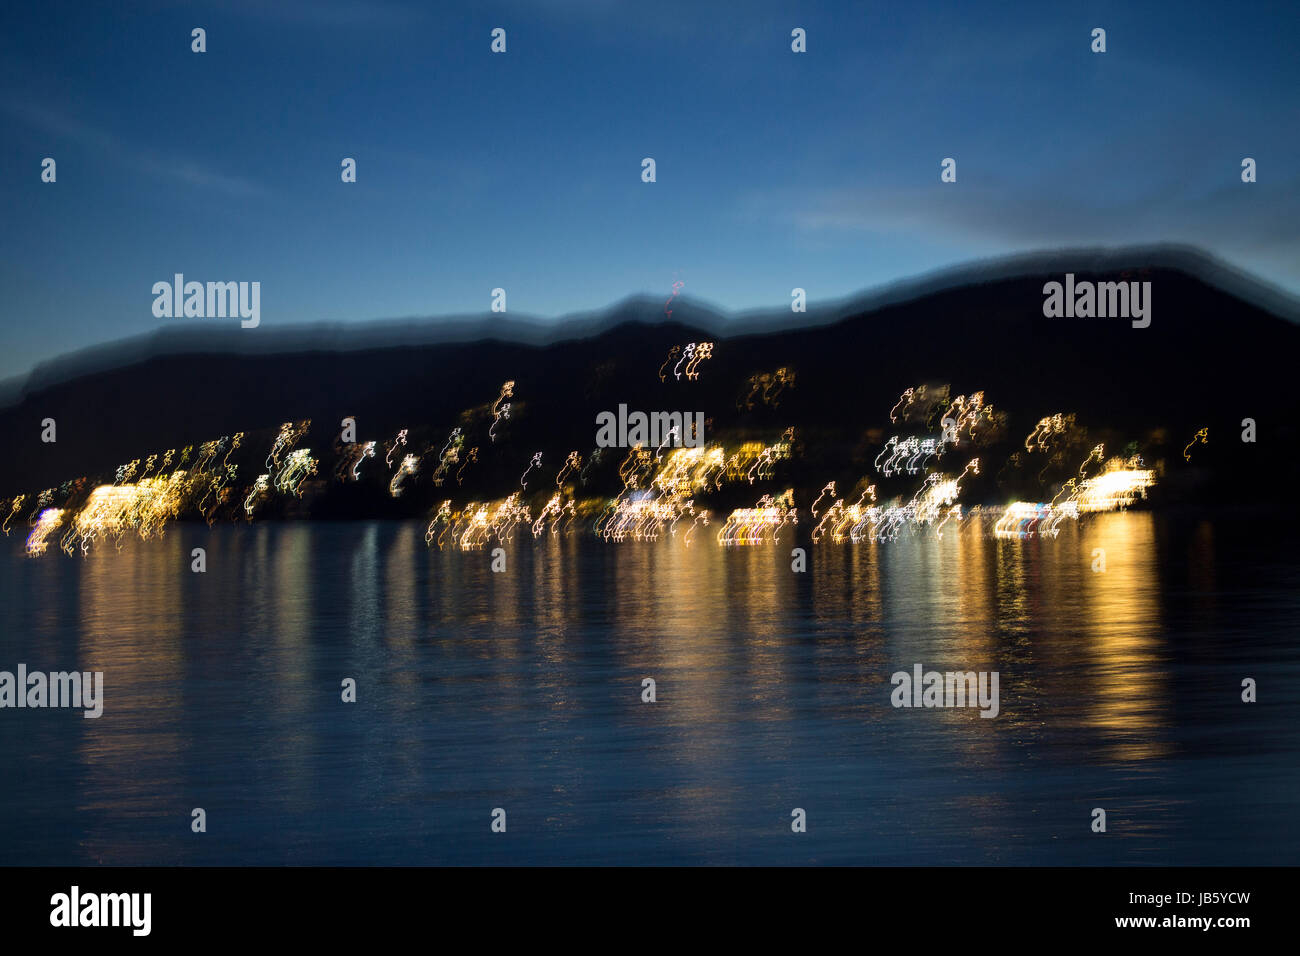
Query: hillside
(1208, 359)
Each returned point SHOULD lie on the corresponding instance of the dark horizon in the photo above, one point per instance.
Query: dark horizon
(206, 336)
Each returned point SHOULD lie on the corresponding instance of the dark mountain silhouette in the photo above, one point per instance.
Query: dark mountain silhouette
(1219, 349)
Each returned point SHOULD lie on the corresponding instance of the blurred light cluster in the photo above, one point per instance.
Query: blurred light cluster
(765, 388)
(684, 360)
(1024, 519)
(1119, 483)
(478, 523)
(48, 521)
(761, 524)
(934, 503)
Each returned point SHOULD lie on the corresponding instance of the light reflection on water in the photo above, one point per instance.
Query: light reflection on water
(522, 690)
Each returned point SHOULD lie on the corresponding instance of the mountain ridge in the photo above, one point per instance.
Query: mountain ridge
(202, 337)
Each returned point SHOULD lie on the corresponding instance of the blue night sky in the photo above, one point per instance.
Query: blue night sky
(522, 170)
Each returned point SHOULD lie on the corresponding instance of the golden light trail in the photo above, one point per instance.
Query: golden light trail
(410, 464)
(1119, 485)
(441, 518)
(367, 451)
(501, 408)
(297, 468)
(470, 458)
(45, 525)
(770, 385)
(703, 352)
(396, 443)
(535, 463)
(572, 463)
(17, 506)
(1048, 431)
(663, 369)
(258, 493)
(448, 456)
(761, 524)
(290, 434)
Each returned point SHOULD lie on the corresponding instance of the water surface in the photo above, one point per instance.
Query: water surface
(522, 690)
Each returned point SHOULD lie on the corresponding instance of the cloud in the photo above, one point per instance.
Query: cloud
(178, 168)
(1235, 219)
